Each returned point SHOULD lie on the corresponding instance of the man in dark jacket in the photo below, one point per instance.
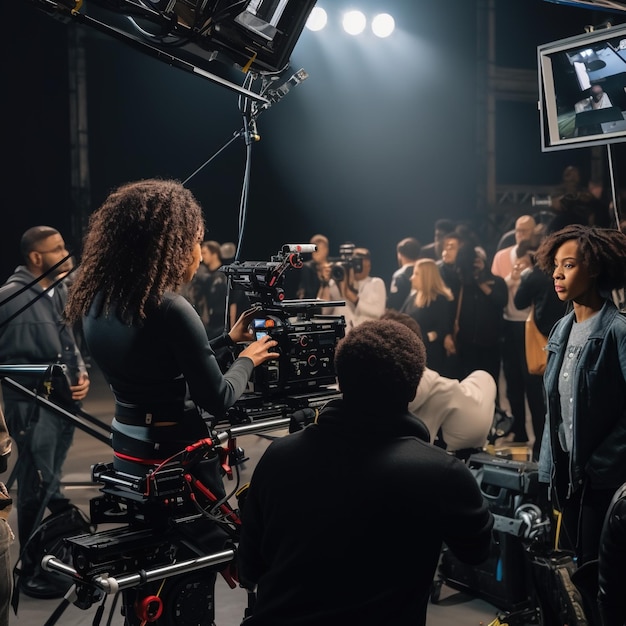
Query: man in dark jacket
(38, 335)
(407, 252)
(344, 521)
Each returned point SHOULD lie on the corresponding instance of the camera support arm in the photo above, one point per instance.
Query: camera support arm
(112, 584)
(81, 421)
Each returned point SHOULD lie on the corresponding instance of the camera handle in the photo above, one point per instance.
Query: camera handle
(113, 584)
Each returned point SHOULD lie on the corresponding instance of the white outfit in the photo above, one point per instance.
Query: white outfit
(370, 305)
(464, 410)
(589, 104)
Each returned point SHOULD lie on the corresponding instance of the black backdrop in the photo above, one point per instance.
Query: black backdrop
(373, 147)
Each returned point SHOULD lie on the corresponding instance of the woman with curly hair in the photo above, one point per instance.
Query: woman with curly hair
(583, 450)
(142, 244)
(430, 305)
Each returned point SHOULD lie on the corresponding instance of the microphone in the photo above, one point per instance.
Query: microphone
(301, 248)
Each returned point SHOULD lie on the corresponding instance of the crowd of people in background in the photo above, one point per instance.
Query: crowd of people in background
(471, 299)
(464, 300)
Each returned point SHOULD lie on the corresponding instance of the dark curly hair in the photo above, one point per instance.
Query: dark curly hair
(602, 250)
(379, 365)
(138, 245)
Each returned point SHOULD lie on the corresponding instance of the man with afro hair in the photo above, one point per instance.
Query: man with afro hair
(344, 520)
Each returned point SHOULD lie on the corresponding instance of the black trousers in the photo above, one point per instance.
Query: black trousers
(583, 512)
(522, 386)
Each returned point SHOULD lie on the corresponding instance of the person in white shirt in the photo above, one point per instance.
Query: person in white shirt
(459, 412)
(365, 296)
(597, 100)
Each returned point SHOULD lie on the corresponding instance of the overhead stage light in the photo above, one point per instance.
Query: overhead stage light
(317, 19)
(262, 36)
(383, 25)
(354, 22)
(256, 35)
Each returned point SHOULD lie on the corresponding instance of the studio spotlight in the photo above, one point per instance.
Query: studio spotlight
(354, 22)
(317, 19)
(383, 25)
(256, 36)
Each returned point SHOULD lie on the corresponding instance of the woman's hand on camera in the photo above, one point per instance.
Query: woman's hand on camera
(261, 350)
(240, 332)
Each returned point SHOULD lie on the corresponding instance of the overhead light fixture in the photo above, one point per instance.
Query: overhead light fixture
(354, 22)
(317, 19)
(255, 35)
(261, 37)
(383, 25)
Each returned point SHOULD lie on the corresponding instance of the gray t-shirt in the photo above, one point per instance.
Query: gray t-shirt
(575, 343)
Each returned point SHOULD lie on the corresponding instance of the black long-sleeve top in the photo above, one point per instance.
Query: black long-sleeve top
(480, 318)
(166, 365)
(437, 317)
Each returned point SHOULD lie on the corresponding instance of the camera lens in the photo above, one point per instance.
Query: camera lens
(337, 272)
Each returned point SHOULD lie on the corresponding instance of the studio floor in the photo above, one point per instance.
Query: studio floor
(454, 607)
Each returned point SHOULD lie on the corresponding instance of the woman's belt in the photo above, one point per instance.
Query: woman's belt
(143, 443)
(142, 416)
(153, 442)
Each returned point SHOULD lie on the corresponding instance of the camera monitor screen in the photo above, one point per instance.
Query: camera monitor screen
(582, 89)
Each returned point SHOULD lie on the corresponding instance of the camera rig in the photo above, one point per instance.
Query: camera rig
(303, 376)
(346, 260)
(161, 554)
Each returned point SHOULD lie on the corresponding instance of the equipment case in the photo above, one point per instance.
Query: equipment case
(503, 579)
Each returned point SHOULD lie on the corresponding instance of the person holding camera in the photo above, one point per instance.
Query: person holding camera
(142, 244)
(365, 295)
(312, 546)
(32, 331)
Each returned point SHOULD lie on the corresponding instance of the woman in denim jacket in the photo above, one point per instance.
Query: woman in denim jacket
(583, 450)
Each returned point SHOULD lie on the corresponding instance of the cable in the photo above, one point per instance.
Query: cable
(32, 283)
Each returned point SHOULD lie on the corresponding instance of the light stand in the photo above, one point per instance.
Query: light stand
(616, 214)
(250, 109)
(80, 419)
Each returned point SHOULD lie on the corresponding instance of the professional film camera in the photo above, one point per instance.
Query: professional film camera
(304, 375)
(346, 260)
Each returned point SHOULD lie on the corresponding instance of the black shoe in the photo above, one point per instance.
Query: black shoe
(38, 587)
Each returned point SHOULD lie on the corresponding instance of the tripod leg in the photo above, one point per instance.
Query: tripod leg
(69, 597)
